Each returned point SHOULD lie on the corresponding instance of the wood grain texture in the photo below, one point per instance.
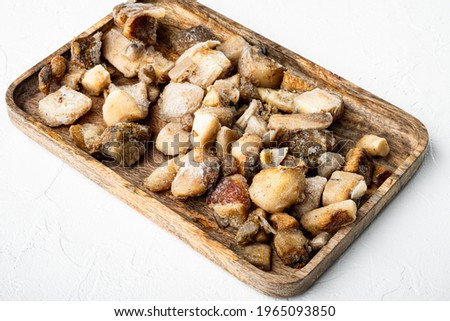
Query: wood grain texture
(192, 221)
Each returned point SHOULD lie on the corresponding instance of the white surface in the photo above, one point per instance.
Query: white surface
(64, 238)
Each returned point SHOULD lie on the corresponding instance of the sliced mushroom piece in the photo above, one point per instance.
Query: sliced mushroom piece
(183, 70)
(141, 26)
(247, 231)
(160, 64)
(184, 39)
(225, 138)
(86, 51)
(191, 52)
(301, 121)
(259, 255)
(122, 12)
(292, 248)
(359, 162)
(255, 229)
(230, 199)
(195, 178)
(124, 55)
(256, 125)
(59, 66)
(162, 177)
(233, 47)
(95, 80)
(248, 91)
(246, 151)
(45, 79)
(282, 99)
(261, 70)
(295, 162)
(312, 196)
(283, 221)
(319, 241)
(225, 115)
(374, 145)
(204, 130)
(224, 92)
(295, 83)
(73, 77)
(329, 218)
(329, 163)
(273, 157)
(125, 142)
(380, 174)
(276, 189)
(179, 99)
(252, 110)
(173, 140)
(343, 186)
(211, 65)
(63, 107)
(317, 101)
(87, 137)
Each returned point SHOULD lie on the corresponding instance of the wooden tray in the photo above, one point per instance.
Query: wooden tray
(192, 221)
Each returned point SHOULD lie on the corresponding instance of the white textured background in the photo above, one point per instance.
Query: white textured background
(63, 238)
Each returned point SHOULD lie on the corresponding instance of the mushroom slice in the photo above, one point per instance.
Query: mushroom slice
(246, 151)
(283, 221)
(374, 145)
(124, 11)
(343, 186)
(86, 51)
(256, 228)
(45, 79)
(301, 121)
(292, 247)
(125, 142)
(162, 177)
(124, 55)
(179, 99)
(224, 93)
(257, 126)
(161, 65)
(181, 71)
(252, 110)
(195, 178)
(73, 77)
(63, 107)
(282, 99)
(295, 162)
(380, 174)
(211, 65)
(359, 162)
(261, 70)
(295, 83)
(260, 255)
(248, 91)
(95, 80)
(204, 130)
(319, 100)
(273, 157)
(191, 52)
(225, 138)
(233, 47)
(225, 115)
(329, 163)
(87, 137)
(313, 195)
(173, 140)
(184, 39)
(230, 199)
(329, 218)
(276, 189)
(59, 66)
(319, 241)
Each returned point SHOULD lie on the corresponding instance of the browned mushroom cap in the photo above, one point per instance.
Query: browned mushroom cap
(359, 162)
(45, 79)
(260, 255)
(59, 66)
(283, 221)
(292, 248)
(141, 26)
(86, 51)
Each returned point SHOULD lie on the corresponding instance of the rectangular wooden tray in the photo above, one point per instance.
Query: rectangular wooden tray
(192, 220)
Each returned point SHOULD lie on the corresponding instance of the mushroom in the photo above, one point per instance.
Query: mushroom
(59, 66)
(256, 125)
(229, 165)
(233, 48)
(95, 80)
(283, 221)
(329, 163)
(162, 177)
(312, 196)
(359, 162)
(225, 115)
(248, 91)
(319, 241)
(252, 110)
(295, 162)
(87, 137)
(173, 140)
(276, 189)
(63, 107)
(224, 92)
(292, 247)
(319, 100)
(225, 138)
(343, 186)
(195, 177)
(204, 130)
(125, 142)
(187, 121)
(246, 151)
(230, 200)
(282, 99)
(86, 51)
(259, 255)
(182, 70)
(73, 77)
(295, 83)
(261, 70)
(160, 64)
(273, 157)
(329, 218)
(294, 122)
(45, 79)
(374, 145)
(380, 174)
(255, 223)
